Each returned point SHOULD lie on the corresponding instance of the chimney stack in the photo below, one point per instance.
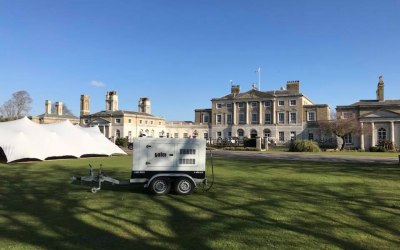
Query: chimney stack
(47, 107)
(235, 90)
(293, 87)
(380, 91)
(144, 105)
(85, 105)
(59, 108)
(111, 101)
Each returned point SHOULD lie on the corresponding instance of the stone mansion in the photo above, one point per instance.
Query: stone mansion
(283, 114)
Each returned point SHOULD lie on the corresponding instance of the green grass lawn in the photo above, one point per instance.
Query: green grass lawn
(336, 153)
(254, 204)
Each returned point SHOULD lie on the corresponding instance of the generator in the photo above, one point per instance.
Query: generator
(162, 164)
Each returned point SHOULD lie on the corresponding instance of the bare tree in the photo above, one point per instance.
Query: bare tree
(22, 102)
(341, 128)
(18, 106)
(8, 110)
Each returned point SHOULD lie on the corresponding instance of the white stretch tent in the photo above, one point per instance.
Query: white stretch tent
(22, 139)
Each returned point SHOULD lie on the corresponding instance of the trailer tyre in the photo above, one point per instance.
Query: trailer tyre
(183, 186)
(160, 186)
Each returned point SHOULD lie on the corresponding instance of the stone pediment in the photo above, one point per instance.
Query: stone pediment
(100, 122)
(251, 94)
(382, 114)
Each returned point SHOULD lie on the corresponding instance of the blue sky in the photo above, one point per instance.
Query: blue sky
(183, 53)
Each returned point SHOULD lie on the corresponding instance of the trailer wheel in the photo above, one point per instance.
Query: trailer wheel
(183, 186)
(160, 186)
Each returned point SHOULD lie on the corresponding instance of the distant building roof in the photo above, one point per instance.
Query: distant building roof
(119, 113)
(372, 103)
(63, 116)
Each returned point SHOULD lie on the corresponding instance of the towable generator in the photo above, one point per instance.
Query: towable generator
(162, 164)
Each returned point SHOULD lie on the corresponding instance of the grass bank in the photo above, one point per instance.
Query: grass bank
(255, 204)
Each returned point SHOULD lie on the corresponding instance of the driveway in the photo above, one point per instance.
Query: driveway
(308, 157)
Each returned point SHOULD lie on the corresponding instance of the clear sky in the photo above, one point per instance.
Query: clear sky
(183, 53)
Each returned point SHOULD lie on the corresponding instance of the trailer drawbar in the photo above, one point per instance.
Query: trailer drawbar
(162, 164)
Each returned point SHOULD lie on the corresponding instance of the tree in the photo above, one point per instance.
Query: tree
(341, 128)
(19, 105)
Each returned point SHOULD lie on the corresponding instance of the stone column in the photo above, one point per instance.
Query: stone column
(362, 137)
(373, 134)
(234, 113)
(247, 113)
(260, 112)
(392, 132)
(273, 115)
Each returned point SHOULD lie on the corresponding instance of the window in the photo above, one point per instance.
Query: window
(129, 120)
(267, 118)
(229, 118)
(281, 103)
(219, 105)
(254, 118)
(118, 120)
(159, 123)
(229, 134)
(145, 122)
(219, 118)
(129, 133)
(347, 115)
(281, 136)
(267, 104)
(311, 116)
(176, 135)
(205, 135)
(254, 104)
(117, 133)
(185, 135)
(205, 119)
(267, 133)
(86, 121)
(292, 135)
(229, 105)
(311, 136)
(348, 139)
(240, 132)
(140, 121)
(293, 117)
(219, 134)
(381, 134)
(241, 118)
(281, 118)
(241, 104)
(292, 102)
(151, 122)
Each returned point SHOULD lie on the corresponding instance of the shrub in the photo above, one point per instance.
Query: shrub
(303, 146)
(249, 143)
(123, 142)
(377, 149)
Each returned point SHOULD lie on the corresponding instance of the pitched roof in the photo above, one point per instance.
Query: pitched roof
(63, 116)
(253, 93)
(375, 103)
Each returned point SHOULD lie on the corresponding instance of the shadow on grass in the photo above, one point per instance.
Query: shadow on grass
(252, 205)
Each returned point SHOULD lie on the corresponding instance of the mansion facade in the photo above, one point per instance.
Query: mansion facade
(281, 115)
(379, 120)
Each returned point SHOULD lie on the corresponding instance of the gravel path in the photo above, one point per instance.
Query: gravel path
(308, 157)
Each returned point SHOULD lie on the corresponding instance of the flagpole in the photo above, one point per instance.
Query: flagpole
(259, 79)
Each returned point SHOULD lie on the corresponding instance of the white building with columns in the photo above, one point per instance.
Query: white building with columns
(379, 119)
